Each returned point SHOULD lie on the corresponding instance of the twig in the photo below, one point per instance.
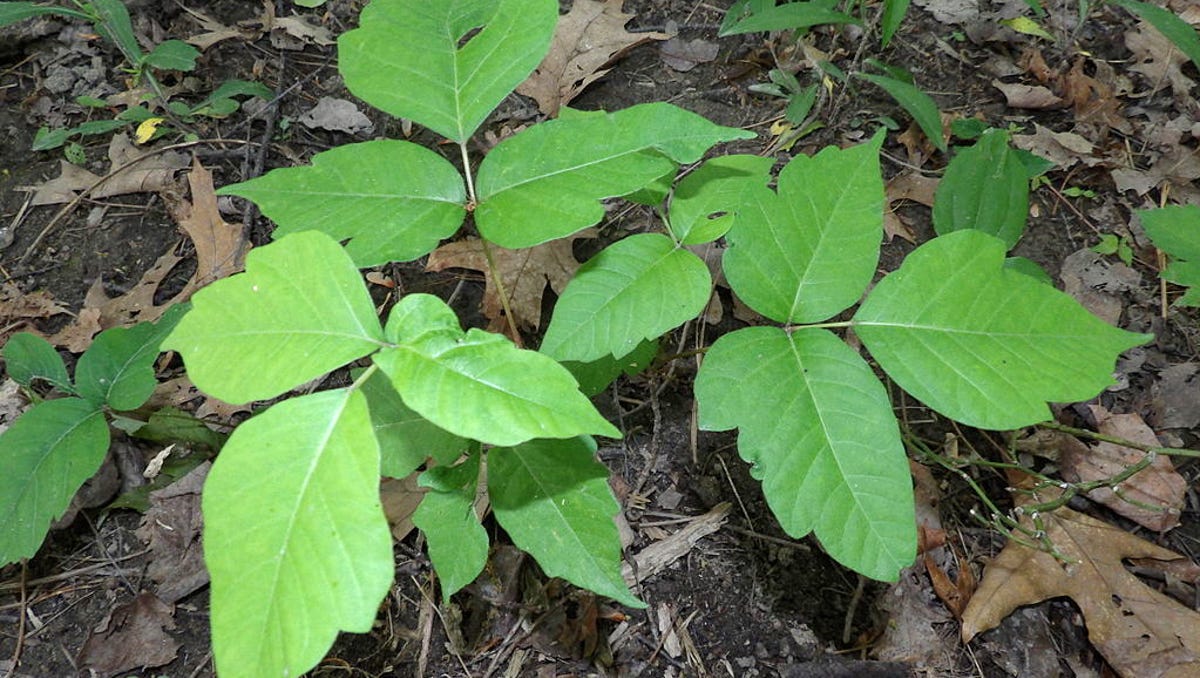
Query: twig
(16, 656)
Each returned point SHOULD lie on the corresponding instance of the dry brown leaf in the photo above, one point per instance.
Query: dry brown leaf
(133, 636)
(17, 307)
(1179, 166)
(1140, 631)
(1034, 97)
(180, 391)
(1062, 148)
(684, 55)
(171, 528)
(215, 31)
(220, 246)
(1158, 60)
(140, 172)
(908, 185)
(524, 274)
(587, 40)
(400, 498)
(1159, 485)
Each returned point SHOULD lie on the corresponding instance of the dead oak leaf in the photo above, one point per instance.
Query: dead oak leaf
(586, 41)
(1140, 631)
(131, 170)
(220, 246)
(524, 274)
(1158, 60)
(132, 637)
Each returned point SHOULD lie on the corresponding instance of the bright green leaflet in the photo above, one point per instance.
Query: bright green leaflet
(983, 344)
(808, 252)
(918, 104)
(405, 438)
(635, 289)
(893, 15)
(553, 499)
(172, 55)
(393, 200)
(986, 188)
(705, 203)
(295, 537)
(46, 454)
(789, 16)
(1175, 229)
(28, 357)
(819, 430)
(118, 368)
(405, 59)
(299, 311)
(1171, 26)
(458, 544)
(547, 181)
(513, 395)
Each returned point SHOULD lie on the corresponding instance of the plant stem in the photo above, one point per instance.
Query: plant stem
(1171, 451)
(820, 326)
(362, 378)
(466, 161)
(497, 278)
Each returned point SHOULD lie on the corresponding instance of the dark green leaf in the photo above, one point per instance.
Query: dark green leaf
(28, 357)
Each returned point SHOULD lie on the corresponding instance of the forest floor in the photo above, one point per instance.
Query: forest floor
(1106, 99)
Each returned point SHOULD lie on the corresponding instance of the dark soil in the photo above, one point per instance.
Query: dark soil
(745, 601)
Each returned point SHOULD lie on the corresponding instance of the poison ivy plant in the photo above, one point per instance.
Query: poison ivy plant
(57, 444)
(488, 423)
(1176, 230)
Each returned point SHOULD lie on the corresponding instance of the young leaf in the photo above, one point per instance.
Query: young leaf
(299, 311)
(118, 368)
(918, 104)
(705, 202)
(1171, 26)
(1175, 229)
(294, 535)
(819, 430)
(547, 181)
(513, 395)
(405, 57)
(12, 12)
(893, 14)
(172, 55)
(809, 252)
(393, 200)
(458, 544)
(633, 290)
(553, 499)
(28, 357)
(986, 188)
(789, 16)
(981, 343)
(114, 25)
(595, 376)
(405, 438)
(47, 453)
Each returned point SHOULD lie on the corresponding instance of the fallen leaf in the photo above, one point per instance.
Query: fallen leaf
(1139, 631)
(137, 171)
(134, 636)
(684, 55)
(524, 274)
(1153, 497)
(220, 246)
(1064, 149)
(587, 40)
(215, 31)
(180, 391)
(16, 308)
(336, 115)
(1158, 59)
(171, 528)
(906, 186)
(1098, 283)
(1177, 396)
(1036, 97)
(1179, 166)
(400, 498)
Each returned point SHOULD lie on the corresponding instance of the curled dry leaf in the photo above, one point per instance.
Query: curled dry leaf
(587, 40)
(1140, 631)
(137, 171)
(1036, 97)
(133, 636)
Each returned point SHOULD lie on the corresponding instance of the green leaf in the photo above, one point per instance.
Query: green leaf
(173, 425)
(789, 16)
(458, 544)
(299, 311)
(12, 12)
(118, 368)
(445, 87)
(706, 202)
(393, 200)
(28, 357)
(1171, 26)
(294, 535)
(1175, 229)
(981, 343)
(918, 104)
(808, 253)
(113, 24)
(985, 188)
(173, 55)
(512, 395)
(633, 290)
(553, 499)
(1030, 268)
(893, 15)
(547, 181)
(405, 438)
(46, 454)
(819, 430)
(595, 376)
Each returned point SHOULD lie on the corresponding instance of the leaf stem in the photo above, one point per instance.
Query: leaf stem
(1171, 451)
(362, 378)
(503, 293)
(466, 161)
(820, 326)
